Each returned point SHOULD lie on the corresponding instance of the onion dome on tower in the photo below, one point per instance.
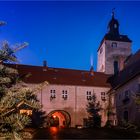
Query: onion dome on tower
(113, 26)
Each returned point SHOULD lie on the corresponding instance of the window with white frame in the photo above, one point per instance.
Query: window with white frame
(64, 94)
(89, 95)
(53, 92)
(103, 96)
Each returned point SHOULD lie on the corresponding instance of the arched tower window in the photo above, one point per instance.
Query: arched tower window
(116, 67)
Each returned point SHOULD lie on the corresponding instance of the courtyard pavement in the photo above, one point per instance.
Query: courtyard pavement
(84, 133)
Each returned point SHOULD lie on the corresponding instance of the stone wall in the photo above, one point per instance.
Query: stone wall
(121, 105)
(109, 54)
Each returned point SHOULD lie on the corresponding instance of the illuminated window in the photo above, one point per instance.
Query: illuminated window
(89, 96)
(28, 112)
(64, 94)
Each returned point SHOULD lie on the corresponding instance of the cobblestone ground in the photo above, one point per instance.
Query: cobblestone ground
(73, 133)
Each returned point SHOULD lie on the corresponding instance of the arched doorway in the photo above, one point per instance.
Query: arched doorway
(59, 118)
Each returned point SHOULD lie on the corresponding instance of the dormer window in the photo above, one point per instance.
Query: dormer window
(114, 45)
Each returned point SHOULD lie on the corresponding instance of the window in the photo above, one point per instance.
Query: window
(103, 96)
(101, 49)
(64, 94)
(52, 94)
(52, 91)
(26, 111)
(119, 96)
(127, 94)
(125, 116)
(116, 67)
(126, 98)
(89, 96)
(114, 45)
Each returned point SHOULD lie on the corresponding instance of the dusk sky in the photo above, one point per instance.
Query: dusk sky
(65, 33)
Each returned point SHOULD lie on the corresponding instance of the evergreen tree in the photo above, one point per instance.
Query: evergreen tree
(13, 95)
(39, 119)
(93, 108)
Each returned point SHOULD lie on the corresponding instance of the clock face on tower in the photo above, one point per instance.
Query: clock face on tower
(115, 25)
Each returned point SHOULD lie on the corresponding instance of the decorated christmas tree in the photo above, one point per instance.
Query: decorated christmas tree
(13, 95)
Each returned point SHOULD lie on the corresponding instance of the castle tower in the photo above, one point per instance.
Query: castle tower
(113, 50)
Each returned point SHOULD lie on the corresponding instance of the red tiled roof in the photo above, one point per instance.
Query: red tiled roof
(61, 76)
(133, 58)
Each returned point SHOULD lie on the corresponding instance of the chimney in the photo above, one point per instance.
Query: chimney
(91, 68)
(44, 65)
(91, 71)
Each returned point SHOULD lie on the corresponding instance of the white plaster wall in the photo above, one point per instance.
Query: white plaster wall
(101, 59)
(123, 49)
(109, 54)
(76, 102)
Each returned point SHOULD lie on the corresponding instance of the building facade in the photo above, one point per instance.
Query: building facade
(116, 84)
(125, 92)
(68, 92)
(113, 50)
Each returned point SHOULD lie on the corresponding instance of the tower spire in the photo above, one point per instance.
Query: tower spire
(113, 12)
(113, 26)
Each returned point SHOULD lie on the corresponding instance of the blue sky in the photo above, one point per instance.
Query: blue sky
(65, 33)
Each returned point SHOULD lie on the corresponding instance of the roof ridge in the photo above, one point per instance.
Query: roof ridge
(69, 69)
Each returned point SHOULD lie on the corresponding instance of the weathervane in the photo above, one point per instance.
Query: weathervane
(113, 11)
